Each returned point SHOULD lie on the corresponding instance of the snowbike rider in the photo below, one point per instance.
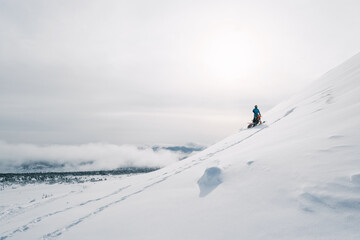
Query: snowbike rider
(257, 116)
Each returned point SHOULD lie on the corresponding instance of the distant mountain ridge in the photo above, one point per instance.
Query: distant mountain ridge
(183, 149)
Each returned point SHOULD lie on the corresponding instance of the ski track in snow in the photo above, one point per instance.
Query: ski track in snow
(15, 211)
(163, 177)
(27, 226)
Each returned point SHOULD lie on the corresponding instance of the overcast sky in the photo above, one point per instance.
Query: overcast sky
(160, 71)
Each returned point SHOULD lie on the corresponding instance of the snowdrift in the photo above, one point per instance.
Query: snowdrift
(295, 177)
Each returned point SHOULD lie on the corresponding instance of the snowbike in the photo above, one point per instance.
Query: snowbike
(255, 122)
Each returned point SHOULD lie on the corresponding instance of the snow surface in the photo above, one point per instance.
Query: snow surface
(295, 177)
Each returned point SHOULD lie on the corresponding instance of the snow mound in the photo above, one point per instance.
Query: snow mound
(209, 181)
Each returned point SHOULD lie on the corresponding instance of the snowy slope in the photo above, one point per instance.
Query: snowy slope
(295, 177)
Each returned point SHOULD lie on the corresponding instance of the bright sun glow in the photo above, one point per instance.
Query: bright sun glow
(230, 53)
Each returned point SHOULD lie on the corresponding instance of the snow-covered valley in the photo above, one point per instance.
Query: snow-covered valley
(297, 176)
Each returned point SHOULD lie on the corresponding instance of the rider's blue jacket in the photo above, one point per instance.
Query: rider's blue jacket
(256, 112)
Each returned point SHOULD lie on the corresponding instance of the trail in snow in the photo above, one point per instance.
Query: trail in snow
(14, 211)
(27, 226)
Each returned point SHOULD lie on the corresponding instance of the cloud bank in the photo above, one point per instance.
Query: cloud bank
(84, 157)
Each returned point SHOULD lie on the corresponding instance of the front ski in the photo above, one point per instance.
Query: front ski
(251, 125)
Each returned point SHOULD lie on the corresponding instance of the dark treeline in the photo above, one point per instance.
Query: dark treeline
(7, 179)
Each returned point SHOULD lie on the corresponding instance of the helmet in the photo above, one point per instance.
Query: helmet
(255, 106)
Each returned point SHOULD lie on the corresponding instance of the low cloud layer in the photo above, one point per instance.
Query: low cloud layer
(85, 157)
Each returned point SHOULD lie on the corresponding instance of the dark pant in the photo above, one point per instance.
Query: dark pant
(255, 120)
